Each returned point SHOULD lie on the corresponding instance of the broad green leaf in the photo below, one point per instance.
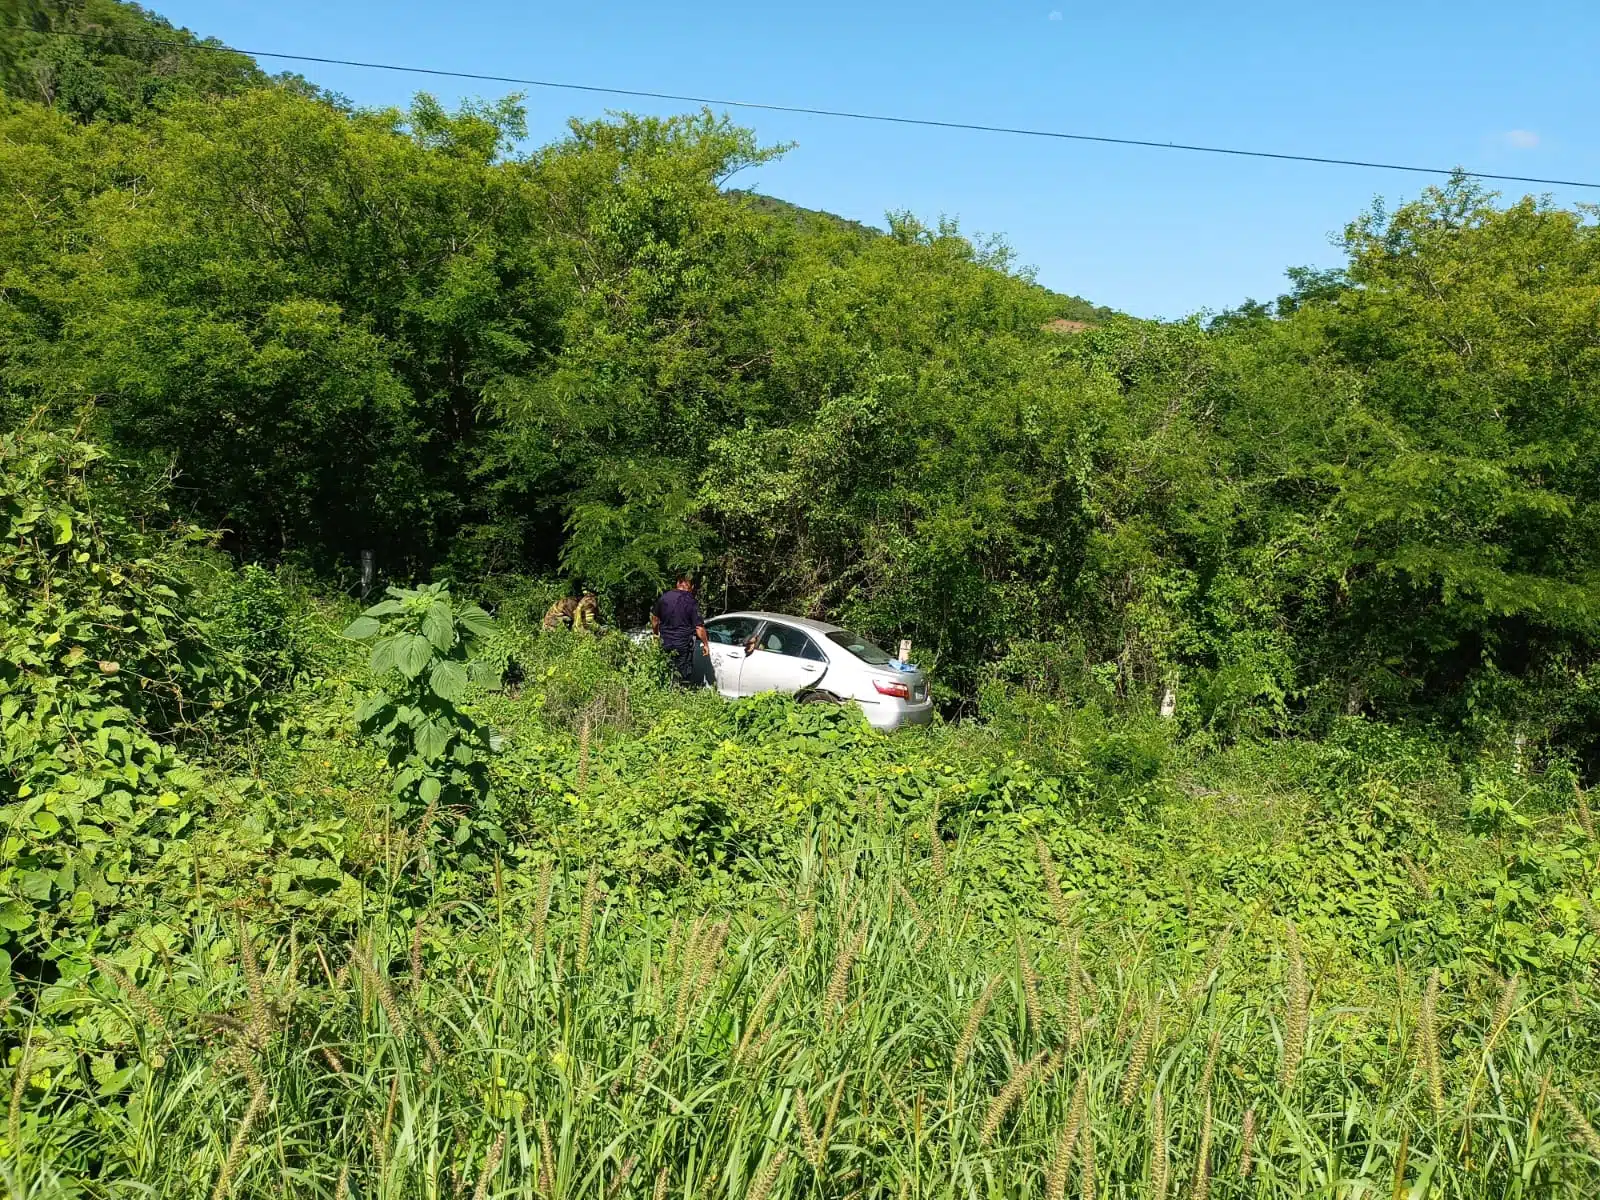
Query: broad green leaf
(63, 523)
(447, 679)
(477, 622)
(384, 608)
(429, 790)
(15, 916)
(431, 739)
(438, 627)
(362, 628)
(385, 654)
(412, 654)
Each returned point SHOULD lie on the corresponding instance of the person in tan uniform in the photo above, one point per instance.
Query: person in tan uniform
(581, 614)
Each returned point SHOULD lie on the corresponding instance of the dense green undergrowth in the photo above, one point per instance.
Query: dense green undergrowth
(423, 903)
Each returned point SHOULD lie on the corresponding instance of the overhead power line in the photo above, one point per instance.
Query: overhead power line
(843, 114)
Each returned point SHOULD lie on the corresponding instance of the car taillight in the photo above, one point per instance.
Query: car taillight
(889, 688)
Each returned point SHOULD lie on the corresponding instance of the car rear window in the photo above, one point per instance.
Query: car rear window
(860, 647)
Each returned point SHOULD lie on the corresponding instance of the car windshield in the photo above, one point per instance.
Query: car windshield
(860, 647)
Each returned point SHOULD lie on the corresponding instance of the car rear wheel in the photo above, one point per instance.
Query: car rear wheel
(818, 696)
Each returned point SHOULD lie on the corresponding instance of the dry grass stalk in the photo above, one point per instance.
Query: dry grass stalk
(435, 1052)
(924, 928)
(1502, 1013)
(547, 1159)
(260, 1017)
(1060, 907)
(1219, 948)
(1582, 1131)
(1247, 1146)
(709, 957)
(758, 1014)
(941, 866)
(617, 1184)
(833, 1115)
(808, 1132)
(663, 1180)
(1030, 985)
(416, 950)
(583, 755)
(1055, 1187)
(1297, 1015)
(839, 982)
(491, 1164)
(1160, 1165)
(1585, 815)
(806, 911)
(1074, 995)
(591, 893)
(969, 1032)
(762, 1187)
(19, 1083)
(388, 1122)
(1140, 1056)
(1210, 1069)
(1086, 1182)
(1006, 1098)
(1400, 1164)
(1428, 1040)
(335, 1063)
(424, 860)
(1421, 883)
(541, 906)
(1202, 1167)
(379, 982)
(135, 994)
(240, 1143)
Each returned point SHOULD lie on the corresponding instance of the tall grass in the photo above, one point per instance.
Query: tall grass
(849, 1035)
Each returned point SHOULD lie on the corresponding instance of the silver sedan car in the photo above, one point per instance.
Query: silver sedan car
(754, 652)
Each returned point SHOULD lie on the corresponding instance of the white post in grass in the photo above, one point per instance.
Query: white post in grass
(905, 650)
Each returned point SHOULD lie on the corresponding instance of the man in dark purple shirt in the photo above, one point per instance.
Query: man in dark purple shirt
(675, 619)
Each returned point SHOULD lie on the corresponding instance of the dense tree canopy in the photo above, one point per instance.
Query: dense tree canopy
(393, 331)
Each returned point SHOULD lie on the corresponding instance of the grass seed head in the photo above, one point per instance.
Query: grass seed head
(617, 1184)
(761, 1188)
(541, 906)
(491, 1164)
(1030, 986)
(1247, 1143)
(1066, 1145)
(1007, 1097)
(1503, 1009)
(1582, 1131)
(1297, 1011)
(547, 1159)
(1202, 1166)
(808, 1132)
(969, 1032)
(135, 994)
(1428, 1040)
(240, 1143)
(1140, 1055)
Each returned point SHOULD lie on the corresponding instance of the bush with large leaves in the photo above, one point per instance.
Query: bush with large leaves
(101, 675)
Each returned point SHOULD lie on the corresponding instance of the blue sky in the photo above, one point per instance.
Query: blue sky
(1493, 86)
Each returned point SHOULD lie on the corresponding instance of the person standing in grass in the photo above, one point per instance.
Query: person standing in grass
(676, 620)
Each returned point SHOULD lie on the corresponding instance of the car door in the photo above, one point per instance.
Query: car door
(785, 659)
(728, 636)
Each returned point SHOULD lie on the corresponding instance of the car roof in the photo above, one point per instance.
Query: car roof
(821, 627)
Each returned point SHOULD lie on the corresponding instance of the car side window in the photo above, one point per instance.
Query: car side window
(791, 643)
(731, 631)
